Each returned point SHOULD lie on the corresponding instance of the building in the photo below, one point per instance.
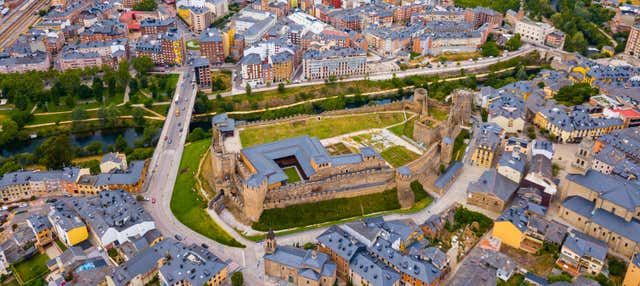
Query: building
(253, 24)
(130, 180)
(105, 30)
(486, 143)
(555, 39)
(533, 32)
(491, 191)
(112, 216)
(523, 226)
(212, 45)
(202, 71)
(483, 267)
(42, 228)
(335, 62)
(22, 185)
(173, 47)
(539, 183)
(581, 253)
(508, 112)
(155, 26)
(632, 277)
(511, 165)
(605, 207)
(67, 225)
(542, 147)
(38, 61)
(515, 144)
(201, 18)
(76, 60)
(575, 124)
(173, 263)
(633, 42)
(297, 266)
(113, 162)
(341, 248)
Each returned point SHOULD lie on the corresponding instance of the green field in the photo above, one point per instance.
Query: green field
(405, 129)
(323, 128)
(31, 268)
(326, 211)
(459, 146)
(188, 205)
(398, 156)
(292, 174)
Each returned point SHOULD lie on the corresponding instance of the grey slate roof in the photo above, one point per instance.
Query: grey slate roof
(39, 223)
(611, 188)
(629, 229)
(492, 182)
(376, 273)
(513, 160)
(129, 177)
(305, 261)
(585, 245)
(448, 174)
(340, 242)
(111, 157)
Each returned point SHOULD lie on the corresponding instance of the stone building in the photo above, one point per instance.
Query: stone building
(491, 191)
(297, 266)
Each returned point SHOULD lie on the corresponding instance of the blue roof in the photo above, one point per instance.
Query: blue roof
(629, 229)
(405, 171)
(611, 188)
(514, 162)
(374, 271)
(492, 182)
(536, 278)
(448, 174)
(304, 261)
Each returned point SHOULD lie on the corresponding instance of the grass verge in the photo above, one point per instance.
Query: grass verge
(323, 128)
(330, 210)
(186, 202)
(292, 175)
(405, 129)
(398, 156)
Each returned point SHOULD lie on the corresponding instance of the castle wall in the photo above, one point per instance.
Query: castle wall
(339, 186)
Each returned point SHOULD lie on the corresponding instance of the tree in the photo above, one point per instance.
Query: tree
(55, 152)
(237, 279)
(69, 101)
(247, 89)
(197, 134)
(77, 115)
(9, 131)
(145, 5)
(108, 115)
(122, 74)
(514, 43)
(22, 118)
(490, 48)
(281, 88)
(98, 88)
(94, 148)
(218, 84)
(70, 80)
(84, 91)
(142, 65)
(575, 94)
(138, 117)
(121, 145)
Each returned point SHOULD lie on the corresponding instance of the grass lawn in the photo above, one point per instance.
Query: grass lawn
(439, 114)
(188, 205)
(422, 199)
(324, 128)
(292, 174)
(32, 268)
(515, 280)
(398, 156)
(162, 109)
(193, 44)
(458, 56)
(405, 129)
(109, 100)
(325, 211)
(541, 264)
(338, 149)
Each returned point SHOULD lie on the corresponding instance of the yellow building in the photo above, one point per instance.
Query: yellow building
(42, 229)
(632, 278)
(185, 15)
(69, 228)
(487, 141)
(508, 233)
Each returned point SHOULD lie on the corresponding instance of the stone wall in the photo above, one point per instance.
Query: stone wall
(339, 186)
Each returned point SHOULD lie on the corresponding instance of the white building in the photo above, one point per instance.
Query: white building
(309, 22)
(253, 24)
(533, 32)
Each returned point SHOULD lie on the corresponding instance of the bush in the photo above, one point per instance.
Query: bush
(561, 277)
(237, 279)
(197, 134)
(463, 217)
(309, 245)
(617, 267)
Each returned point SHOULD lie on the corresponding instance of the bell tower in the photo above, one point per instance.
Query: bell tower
(583, 159)
(270, 242)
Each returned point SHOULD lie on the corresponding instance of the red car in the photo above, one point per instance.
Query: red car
(153, 200)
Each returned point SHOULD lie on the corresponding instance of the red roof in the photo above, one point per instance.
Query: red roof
(627, 113)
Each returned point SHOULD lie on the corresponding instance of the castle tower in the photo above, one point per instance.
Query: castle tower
(270, 242)
(583, 159)
(403, 187)
(446, 148)
(253, 199)
(421, 98)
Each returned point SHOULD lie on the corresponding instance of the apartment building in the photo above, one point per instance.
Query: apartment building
(212, 45)
(486, 143)
(154, 26)
(202, 70)
(581, 253)
(336, 61)
(492, 191)
(633, 42)
(533, 32)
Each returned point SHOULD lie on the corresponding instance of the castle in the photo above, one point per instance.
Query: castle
(260, 177)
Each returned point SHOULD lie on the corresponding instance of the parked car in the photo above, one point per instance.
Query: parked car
(204, 245)
(178, 237)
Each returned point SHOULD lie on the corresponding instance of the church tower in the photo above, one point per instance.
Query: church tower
(583, 159)
(270, 243)
(521, 11)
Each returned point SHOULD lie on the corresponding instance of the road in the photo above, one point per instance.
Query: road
(238, 88)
